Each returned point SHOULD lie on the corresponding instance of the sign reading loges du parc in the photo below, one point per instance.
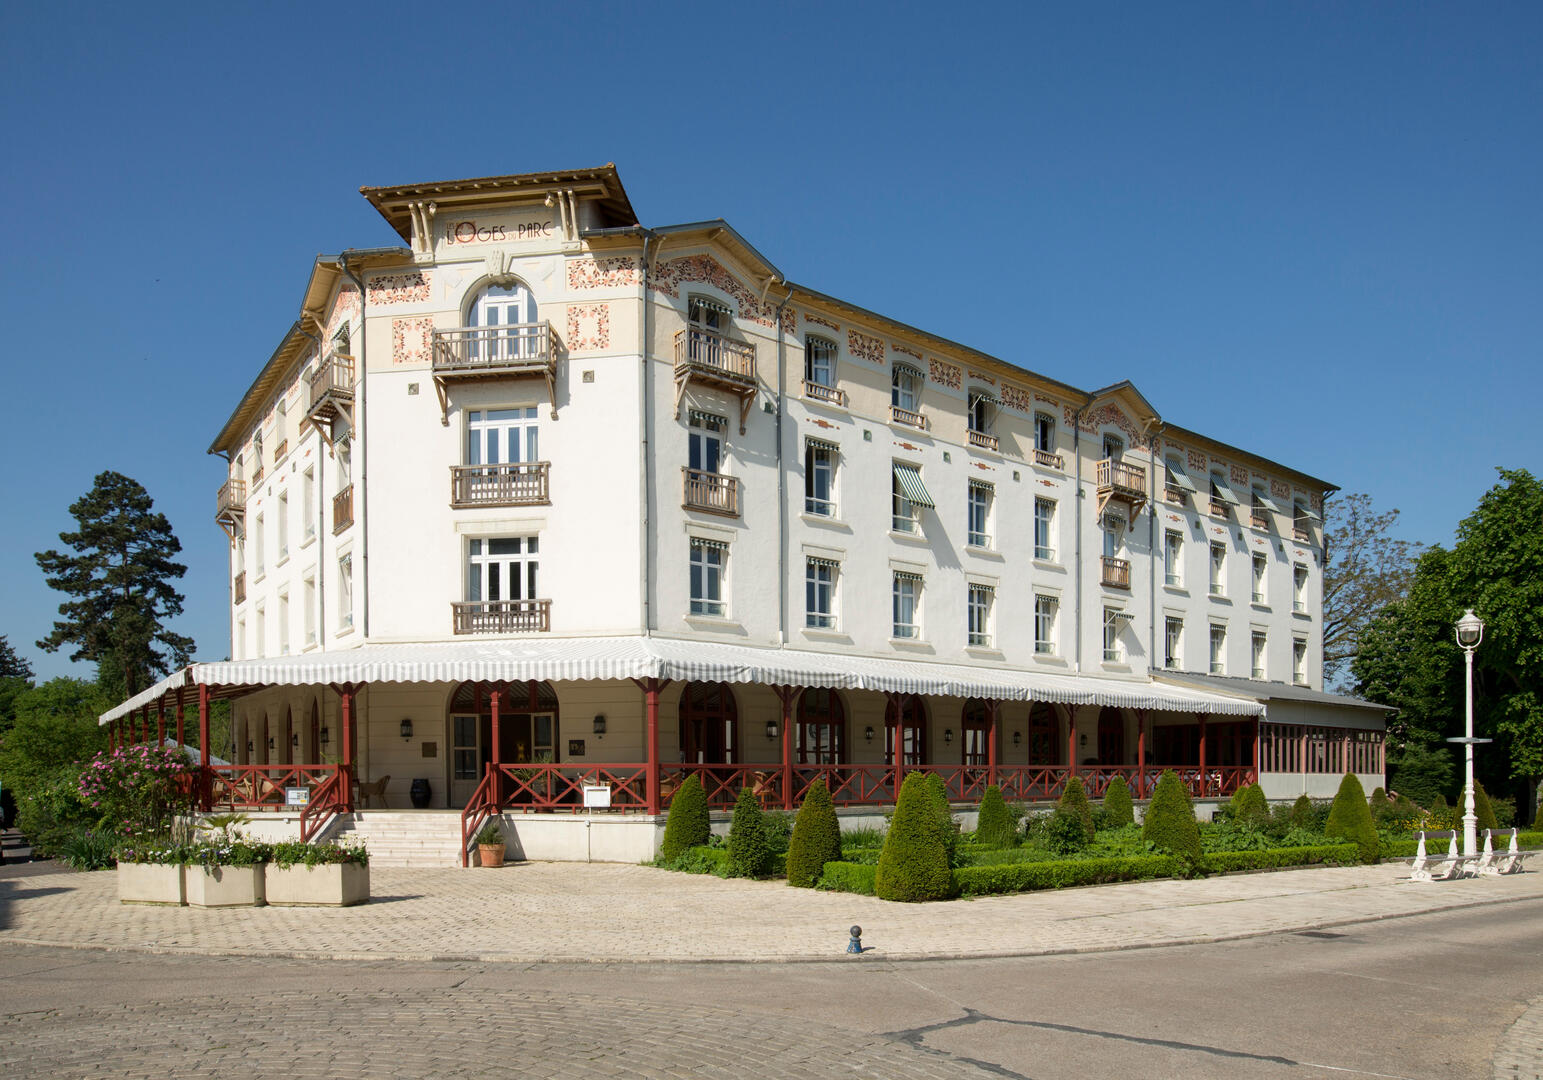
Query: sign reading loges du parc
(480, 230)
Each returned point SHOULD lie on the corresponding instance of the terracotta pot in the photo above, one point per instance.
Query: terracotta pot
(490, 854)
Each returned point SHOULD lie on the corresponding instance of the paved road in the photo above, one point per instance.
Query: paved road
(1432, 997)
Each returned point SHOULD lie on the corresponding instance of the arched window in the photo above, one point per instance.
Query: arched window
(1111, 736)
(910, 711)
(1044, 735)
(528, 726)
(821, 728)
(975, 730)
(709, 721)
(508, 315)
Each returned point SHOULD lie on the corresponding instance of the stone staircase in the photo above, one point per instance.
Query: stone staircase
(405, 838)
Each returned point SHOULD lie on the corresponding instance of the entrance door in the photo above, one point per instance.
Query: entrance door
(707, 719)
(468, 756)
(1111, 737)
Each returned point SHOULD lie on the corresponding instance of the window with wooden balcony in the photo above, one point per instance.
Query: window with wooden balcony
(1222, 498)
(1302, 518)
(502, 594)
(502, 338)
(238, 588)
(1177, 486)
(1121, 482)
(1258, 509)
(503, 466)
(706, 486)
(981, 411)
(1045, 453)
(905, 395)
(342, 509)
(704, 354)
(820, 371)
(1116, 568)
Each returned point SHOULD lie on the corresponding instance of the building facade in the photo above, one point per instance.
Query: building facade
(544, 487)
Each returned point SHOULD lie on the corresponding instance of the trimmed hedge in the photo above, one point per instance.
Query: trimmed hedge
(1118, 808)
(1170, 819)
(1026, 877)
(915, 862)
(1404, 848)
(707, 859)
(688, 825)
(1481, 807)
(994, 828)
(816, 837)
(1220, 862)
(1350, 818)
(749, 852)
(848, 877)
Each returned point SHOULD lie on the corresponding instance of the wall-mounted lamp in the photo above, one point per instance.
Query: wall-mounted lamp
(1082, 740)
(1017, 738)
(868, 733)
(407, 728)
(324, 736)
(270, 742)
(771, 729)
(294, 740)
(249, 746)
(948, 735)
(599, 724)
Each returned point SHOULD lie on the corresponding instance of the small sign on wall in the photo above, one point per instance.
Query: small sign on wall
(430, 749)
(597, 796)
(297, 796)
(575, 747)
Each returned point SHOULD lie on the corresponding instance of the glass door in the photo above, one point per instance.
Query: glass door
(467, 757)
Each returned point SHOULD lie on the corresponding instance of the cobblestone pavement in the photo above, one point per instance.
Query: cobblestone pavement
(609, 912)
(1520, 1053)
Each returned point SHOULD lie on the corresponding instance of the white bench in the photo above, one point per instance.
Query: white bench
(1447, 868)
(1508, 863)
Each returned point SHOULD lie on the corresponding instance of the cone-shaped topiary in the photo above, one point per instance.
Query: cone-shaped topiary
(688, 825)
(1482, 807)
(1378, 801)
(914, 863)
(1250, 807)
(816, 837)
(749, 853)
(994, 828)
(1074, 801)
(1350, 818)
(948, 829)
(1170, 821)
(1302, 812)
(1118, 808)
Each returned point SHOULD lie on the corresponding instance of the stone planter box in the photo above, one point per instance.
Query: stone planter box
(333, 885)
(151, 883)
(225, 886)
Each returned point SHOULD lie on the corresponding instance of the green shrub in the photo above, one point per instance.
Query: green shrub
(138, 790)
(1221, 862)
(688, 825)
(1302, 812)
(1505, 811)
(1170, 823)
(749, 853)
(287, 853)
(816, 837)
(948, 828)
(1401, 814)
(1249, 806)
(88, 849)
(1482, 808)
(1066, 834)
(1350, 818)
(1379, 802)
(1074, 800)
(862, 836)
(1024, 877)
(779, 830)
(915, 862)
(50, 810)
(995, 827)
(1118, 808)
(848, 877)
(1230, 835)
(702, 859)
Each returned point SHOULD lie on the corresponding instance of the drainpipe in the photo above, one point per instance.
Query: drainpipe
(362, 495)
(230, 584)
(1081, 498)
(650, 254)
(782, 479)
(317, 516)
(1156, 456)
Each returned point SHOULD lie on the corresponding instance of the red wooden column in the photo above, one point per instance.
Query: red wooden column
(651, 687)
(160, 721)
(1200, 717)
(181, 739)
(496, 694)
(1255, 755)
(785, 694)
(1141, 753)
(1071, 738)
(203, 747)
(346, 693)
(112, 737)
(143, 734)
(991, 741)
(894, 710)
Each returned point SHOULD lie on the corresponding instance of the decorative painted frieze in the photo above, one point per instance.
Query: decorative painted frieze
(981, 376)
(412, 340)
(1113, 415)
(589, 327)
(344, 307)
(907, 350)
(864, 347)
(1280, 490)
(673, 273)
(944, 373)
(410, 288)
(1197, 461)
(1239, 475)
(808, 318)
(1016, 398)
(609, 273)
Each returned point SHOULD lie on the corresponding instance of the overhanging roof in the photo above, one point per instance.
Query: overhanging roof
(1267, 691)
(603, 184)
(594, 658)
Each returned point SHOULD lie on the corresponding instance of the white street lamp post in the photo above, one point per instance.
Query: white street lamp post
(1470, 631)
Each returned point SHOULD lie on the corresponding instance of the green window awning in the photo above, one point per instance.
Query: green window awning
(909, 478)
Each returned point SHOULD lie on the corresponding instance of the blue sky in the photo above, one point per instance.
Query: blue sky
(1311, 230)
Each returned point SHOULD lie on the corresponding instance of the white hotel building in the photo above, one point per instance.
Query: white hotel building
(543, 497)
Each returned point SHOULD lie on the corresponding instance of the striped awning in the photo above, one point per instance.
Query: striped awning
(621, 658)
(711, 305)
(910, 480)
(1223, 488)
(1180, 477)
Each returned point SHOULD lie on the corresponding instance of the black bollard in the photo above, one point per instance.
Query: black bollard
(856, 944)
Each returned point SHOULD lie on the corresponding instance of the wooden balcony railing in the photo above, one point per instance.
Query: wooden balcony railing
(280, 451)
(1299, 532)
(1219, 508)
(984, 441)
(1122, 478)
(713, 492)
(1174, 495)
(1049, 459)
(1116, 572)
(502, 616)
(906, 416)
(488, 350)
(522, 483)
(821, 392)
(230, 499)
(238, 588)
(701, 352)
(333, 380)
(343, 509)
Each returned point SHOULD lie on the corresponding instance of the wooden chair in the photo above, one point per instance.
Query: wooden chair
(669, 783)
(375, 789)
(763, 784)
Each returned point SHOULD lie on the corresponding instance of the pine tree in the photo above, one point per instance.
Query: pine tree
(120, 579)
(12, 664)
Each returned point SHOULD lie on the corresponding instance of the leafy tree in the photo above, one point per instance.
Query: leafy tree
(914, 863)
(1365, 569)
(816, 837)
(749, 852)
(54, 731)
(1170, 819)
(120, 578)
(688, 823)
(1350, 818)
(994, 826)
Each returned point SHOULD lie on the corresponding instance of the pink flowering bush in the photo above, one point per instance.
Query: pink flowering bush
(139, 790)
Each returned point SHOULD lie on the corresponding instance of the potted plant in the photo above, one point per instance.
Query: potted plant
(330, 874)
(230, 867)
(490, 843)
(153, 873)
